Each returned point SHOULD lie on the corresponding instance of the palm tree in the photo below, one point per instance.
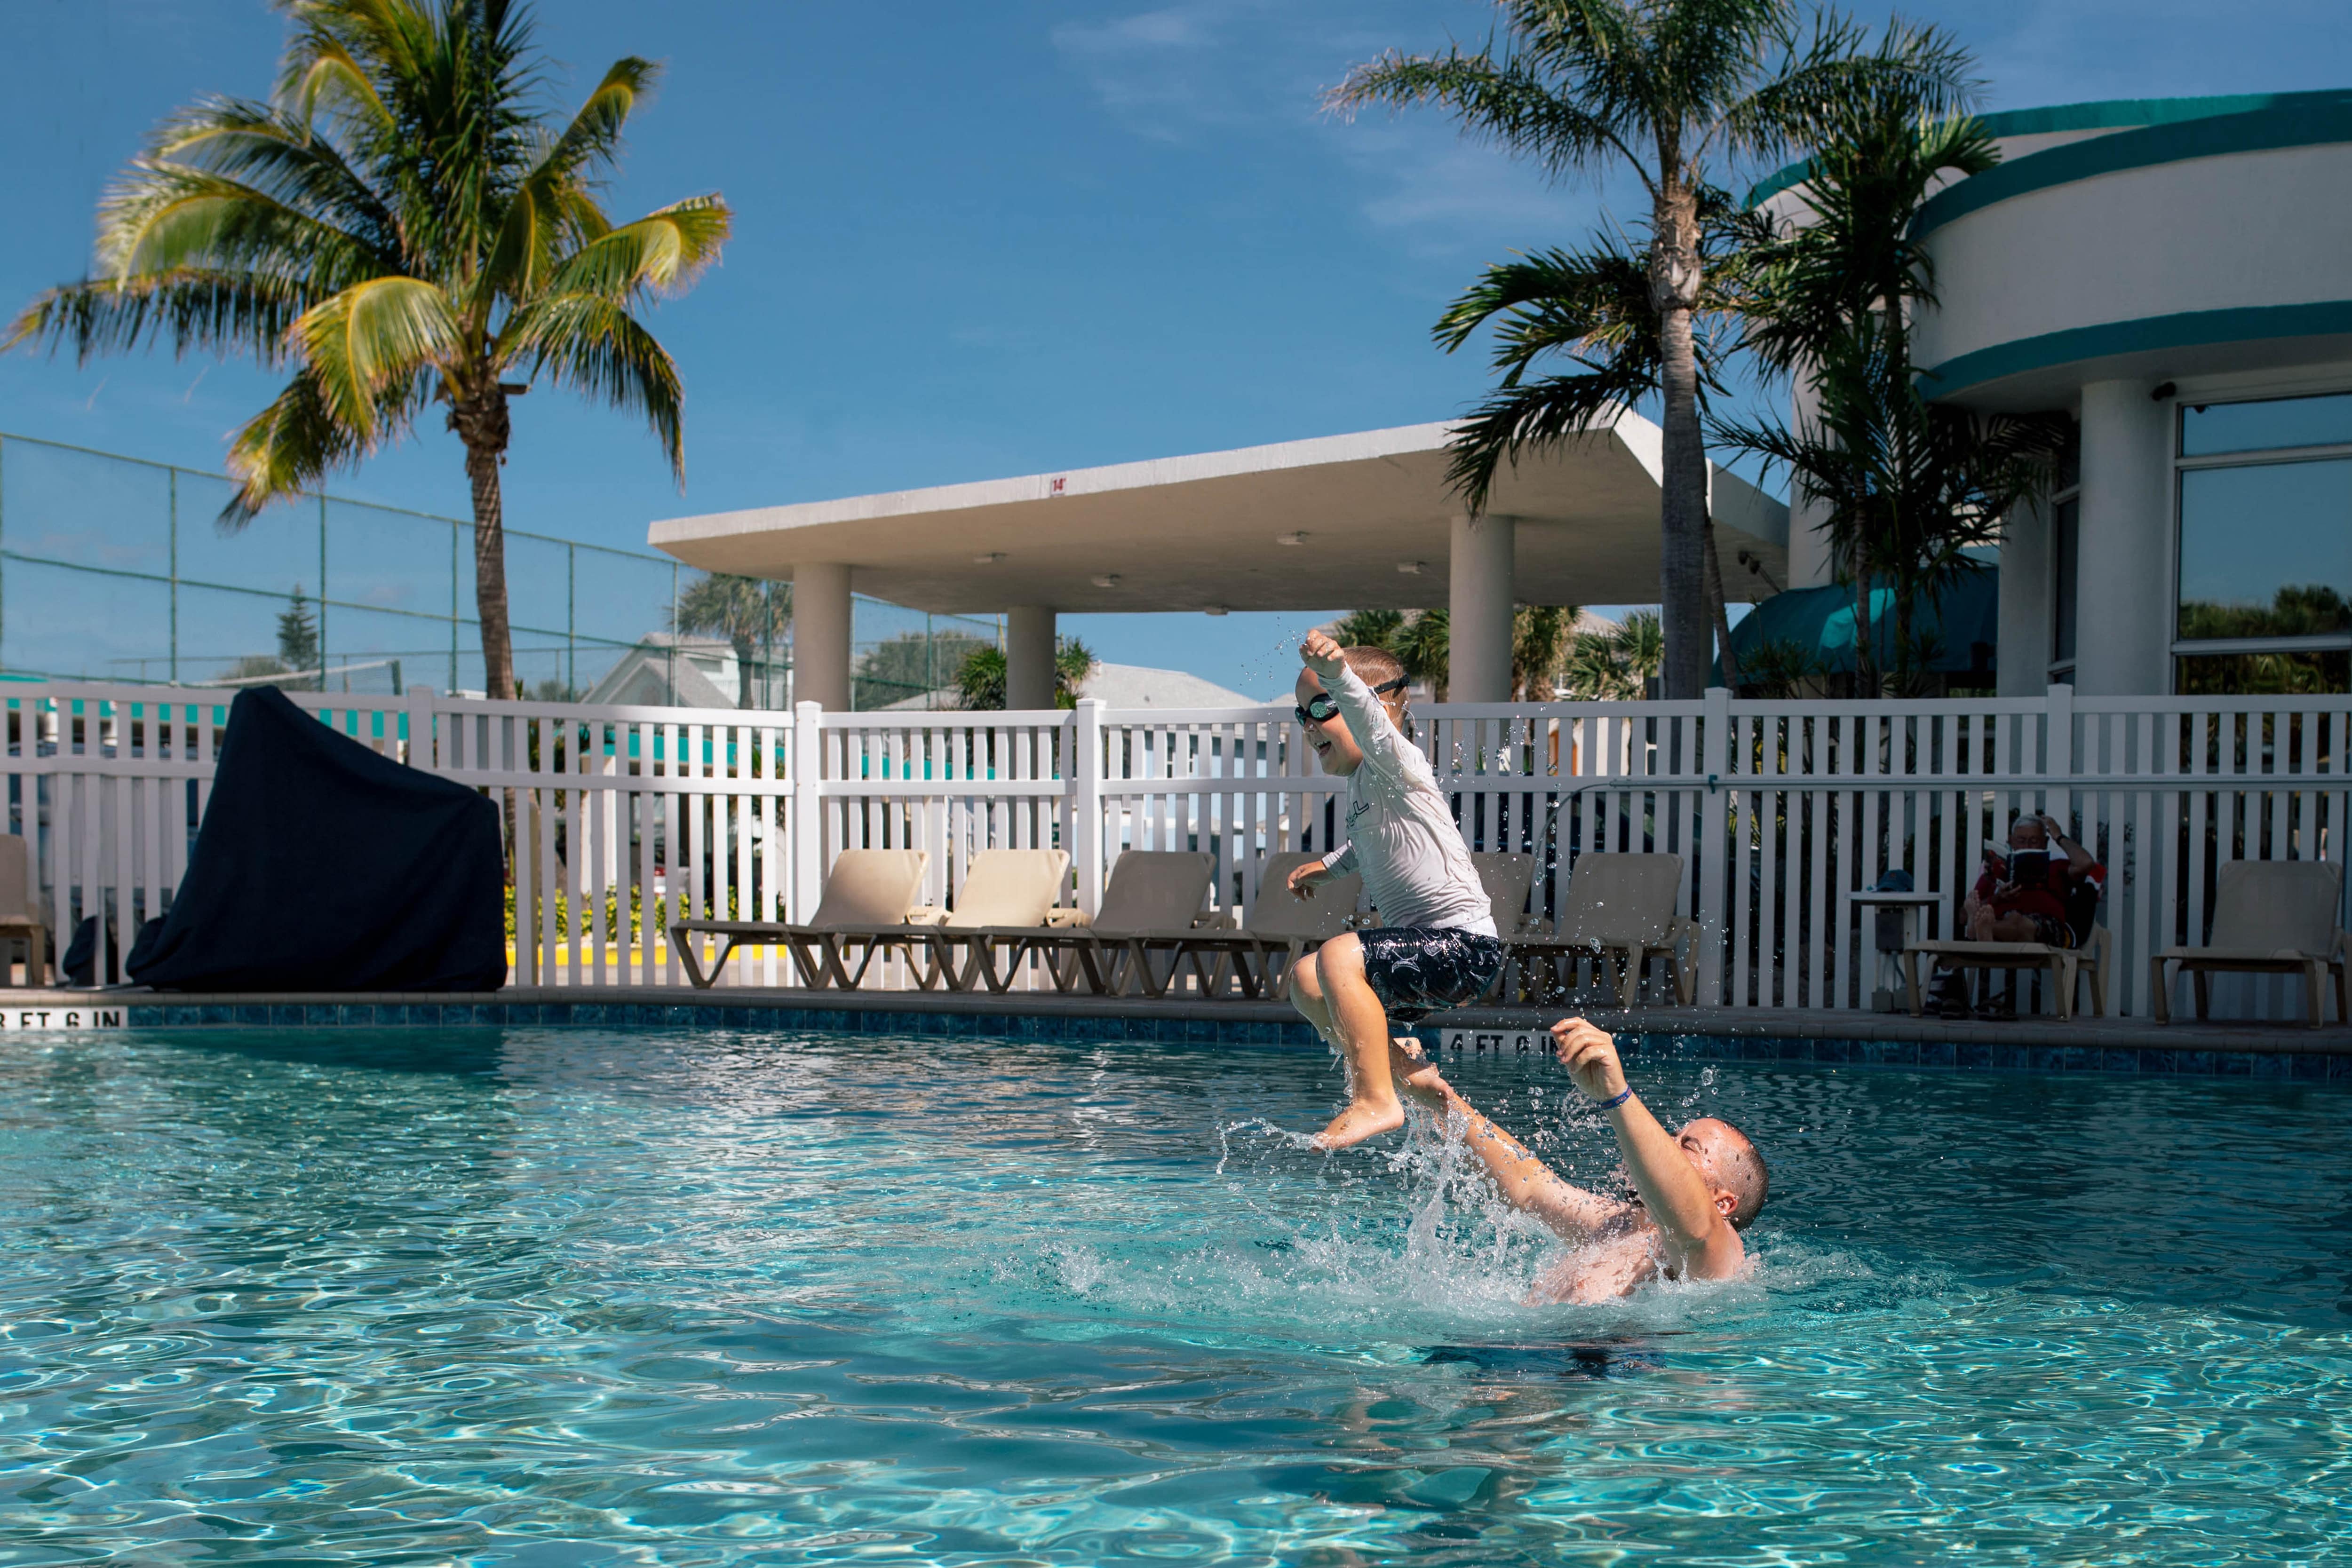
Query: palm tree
(1593, 307)
(1661, 88)
(749, 611)
(1907, 487)
(981, 679)
(1369, 629)
(1424, 646)
(401, 226)
(1541, 636)
(1640, 647)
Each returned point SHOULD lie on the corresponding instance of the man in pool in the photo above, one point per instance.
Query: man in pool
(1692, 1191)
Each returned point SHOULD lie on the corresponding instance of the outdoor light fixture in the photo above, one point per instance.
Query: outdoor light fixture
(1298, 538)
(1109, 580)
(2163, 391)
(1411, 567)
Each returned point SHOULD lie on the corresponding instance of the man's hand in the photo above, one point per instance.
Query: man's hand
(1306, 877)
(1591, 1057)
(1321, 655)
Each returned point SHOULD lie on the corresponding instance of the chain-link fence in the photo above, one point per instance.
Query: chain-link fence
(113, 568)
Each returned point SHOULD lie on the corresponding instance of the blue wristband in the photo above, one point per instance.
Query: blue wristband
(1617, 1099)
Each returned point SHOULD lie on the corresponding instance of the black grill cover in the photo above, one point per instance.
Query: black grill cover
(322, 866)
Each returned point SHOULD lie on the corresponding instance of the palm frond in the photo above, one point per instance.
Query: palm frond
(161, 217)
(370, 338)
(1534, 416)
(555, 209)
(1824, 77)
(260, 147)
(662, 252)
(592, 345)
(189, 307)
(1507, 102)
(289, 447)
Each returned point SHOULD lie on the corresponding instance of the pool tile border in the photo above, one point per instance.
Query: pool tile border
(2291, 1063)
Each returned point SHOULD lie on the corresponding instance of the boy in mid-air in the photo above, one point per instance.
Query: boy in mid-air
(1693, 1191)
(1436, 947)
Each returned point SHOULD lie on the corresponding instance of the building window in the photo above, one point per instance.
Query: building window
(2265, 494)
(2066, 553)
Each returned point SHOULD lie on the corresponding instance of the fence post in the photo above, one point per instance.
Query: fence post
(1085, 786)
(807, 826)
(1708, 765)
(2059, 749)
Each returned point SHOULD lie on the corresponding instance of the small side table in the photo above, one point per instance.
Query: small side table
(1887, 983)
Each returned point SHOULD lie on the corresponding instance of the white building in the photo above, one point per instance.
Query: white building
(2178, 275)
(1364, 521)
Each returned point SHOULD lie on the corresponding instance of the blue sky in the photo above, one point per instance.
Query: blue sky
(982, 240)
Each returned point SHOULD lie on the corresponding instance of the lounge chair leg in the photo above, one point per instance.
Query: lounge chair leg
(2062, 981)
(2204, 989)
(2159, 993)
(2312, 1006)
(1911, 982)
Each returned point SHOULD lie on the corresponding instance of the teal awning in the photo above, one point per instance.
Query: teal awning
(1963, 624)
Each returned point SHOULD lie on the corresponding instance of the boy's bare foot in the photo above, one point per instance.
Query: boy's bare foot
(1363, 1119)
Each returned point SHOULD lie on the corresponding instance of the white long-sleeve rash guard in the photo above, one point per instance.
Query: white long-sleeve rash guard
(1400, 834)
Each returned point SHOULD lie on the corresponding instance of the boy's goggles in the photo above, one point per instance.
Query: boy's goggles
(1323, 707)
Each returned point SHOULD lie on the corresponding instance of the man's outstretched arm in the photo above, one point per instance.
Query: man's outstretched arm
(1679, 1200)
(1524, 1181)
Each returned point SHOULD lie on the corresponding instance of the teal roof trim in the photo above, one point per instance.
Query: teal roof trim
(2107, 114)
(2311, 124)
(2187, 329)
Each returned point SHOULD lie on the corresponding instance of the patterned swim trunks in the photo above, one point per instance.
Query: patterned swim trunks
(1417, 970)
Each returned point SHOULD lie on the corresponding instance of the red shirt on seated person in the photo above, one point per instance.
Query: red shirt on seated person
(2009, 904)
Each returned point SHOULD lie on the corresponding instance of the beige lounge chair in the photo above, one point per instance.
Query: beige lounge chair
(2065, 966)
(1282, 927)
(1509, 879)
(1620, 907)
(1150, 910)
(20, 914)
(869, 895)
(1000, 917)
(2269, 917)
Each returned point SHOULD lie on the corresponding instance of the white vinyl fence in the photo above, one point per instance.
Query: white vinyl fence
(1782, 811)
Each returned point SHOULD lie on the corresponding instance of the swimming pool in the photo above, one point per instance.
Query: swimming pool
(547, 1297)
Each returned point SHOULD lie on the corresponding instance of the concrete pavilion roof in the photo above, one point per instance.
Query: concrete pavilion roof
(1201, 532)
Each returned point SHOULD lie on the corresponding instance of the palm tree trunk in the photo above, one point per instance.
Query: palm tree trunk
(1721, 618)
(481, 423)
(1682, 502)
(743, 651)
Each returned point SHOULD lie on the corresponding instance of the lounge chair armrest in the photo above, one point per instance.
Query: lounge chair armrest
(927, 914)
(1228, 919)
(1066, 918)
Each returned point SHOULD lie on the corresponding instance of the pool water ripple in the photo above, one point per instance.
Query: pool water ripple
(561, 1297)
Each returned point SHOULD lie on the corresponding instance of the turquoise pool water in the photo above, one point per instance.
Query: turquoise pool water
(566, 1298)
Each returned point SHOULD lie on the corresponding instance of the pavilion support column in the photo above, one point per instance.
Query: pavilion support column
(2123, 606)
(1029, 658)
(821, 634)
(1478, 606)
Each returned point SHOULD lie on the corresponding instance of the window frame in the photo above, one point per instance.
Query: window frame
(2181, 647)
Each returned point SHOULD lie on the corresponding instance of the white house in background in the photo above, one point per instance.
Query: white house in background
(1115, 686)
(2177, 274)
(669, 671)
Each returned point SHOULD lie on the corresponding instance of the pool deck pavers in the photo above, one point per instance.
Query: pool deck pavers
(1858, 1038)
